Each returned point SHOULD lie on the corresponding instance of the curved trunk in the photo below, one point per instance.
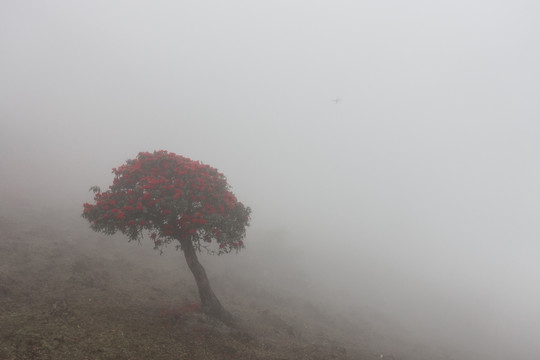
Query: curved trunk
(210, 302)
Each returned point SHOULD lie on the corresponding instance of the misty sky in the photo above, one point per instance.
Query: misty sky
(420, 187)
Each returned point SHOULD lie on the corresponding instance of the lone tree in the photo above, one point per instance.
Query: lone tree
(174, 199)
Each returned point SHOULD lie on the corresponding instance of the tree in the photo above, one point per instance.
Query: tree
(176, 200)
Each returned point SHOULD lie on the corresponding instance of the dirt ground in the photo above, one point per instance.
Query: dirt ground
(66, 295)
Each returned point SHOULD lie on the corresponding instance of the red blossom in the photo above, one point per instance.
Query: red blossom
(169, 195)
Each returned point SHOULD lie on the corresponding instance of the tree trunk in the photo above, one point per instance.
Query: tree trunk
(210, 303)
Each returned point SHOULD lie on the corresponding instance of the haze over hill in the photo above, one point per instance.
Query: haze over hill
(415, 196)
(66, 292)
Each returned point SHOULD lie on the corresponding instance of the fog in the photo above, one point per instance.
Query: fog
(393, 145)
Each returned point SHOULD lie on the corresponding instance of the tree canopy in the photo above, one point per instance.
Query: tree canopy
(169, 198)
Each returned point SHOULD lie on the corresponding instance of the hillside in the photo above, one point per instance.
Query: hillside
(68, 293)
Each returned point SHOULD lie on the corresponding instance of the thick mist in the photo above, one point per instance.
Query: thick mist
(415, 195)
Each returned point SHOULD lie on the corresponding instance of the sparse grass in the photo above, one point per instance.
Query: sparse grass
(61, 298)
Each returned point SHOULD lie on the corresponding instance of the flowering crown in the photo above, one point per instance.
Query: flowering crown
(173, 198)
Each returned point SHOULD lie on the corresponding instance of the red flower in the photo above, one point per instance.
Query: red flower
(151, 186)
